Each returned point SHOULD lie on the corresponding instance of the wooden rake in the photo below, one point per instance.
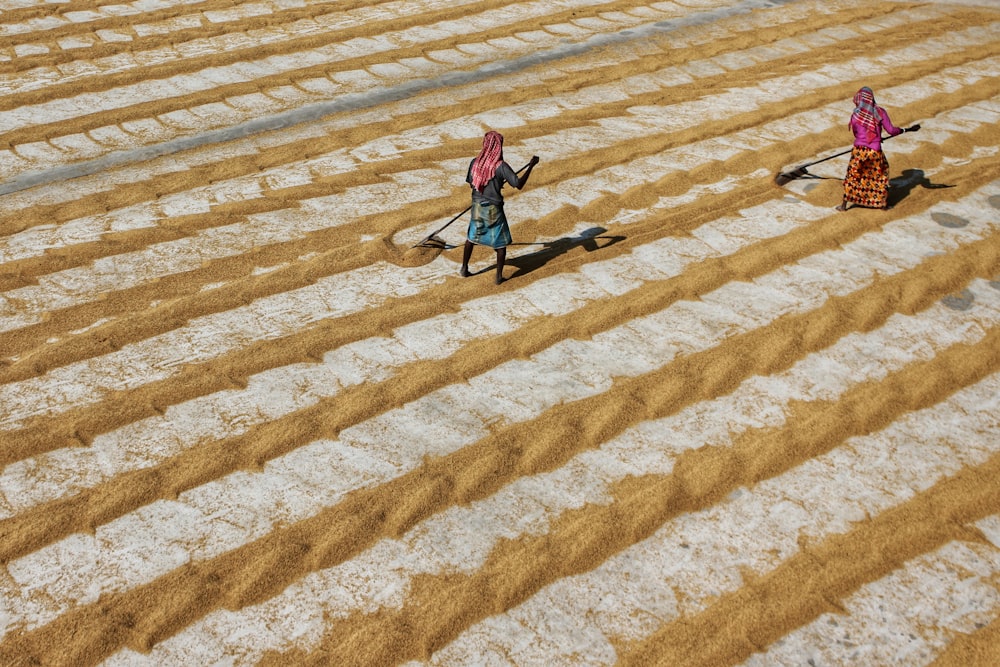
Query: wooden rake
(445, 225)
(799, 172)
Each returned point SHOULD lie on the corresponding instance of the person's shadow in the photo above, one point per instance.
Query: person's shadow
(590, 240)
(901, 186)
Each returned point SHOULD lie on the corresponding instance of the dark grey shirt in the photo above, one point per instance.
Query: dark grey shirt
(491, 193)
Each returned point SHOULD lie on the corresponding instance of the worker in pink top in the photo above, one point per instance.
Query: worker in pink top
(867, 180)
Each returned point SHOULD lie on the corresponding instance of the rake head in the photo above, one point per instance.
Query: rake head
(432, 241)
(788, 176)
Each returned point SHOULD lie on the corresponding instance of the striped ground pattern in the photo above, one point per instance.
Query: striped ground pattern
(251, 414)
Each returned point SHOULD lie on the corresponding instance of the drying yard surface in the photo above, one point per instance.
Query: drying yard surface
(246, 418)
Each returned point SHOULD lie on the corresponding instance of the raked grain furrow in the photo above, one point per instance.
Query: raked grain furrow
(707, 420)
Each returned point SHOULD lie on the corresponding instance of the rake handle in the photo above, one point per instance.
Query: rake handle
(912, 128)
(467, 209)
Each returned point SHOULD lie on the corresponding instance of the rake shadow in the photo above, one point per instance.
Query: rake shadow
(901, 186)
(590, 240)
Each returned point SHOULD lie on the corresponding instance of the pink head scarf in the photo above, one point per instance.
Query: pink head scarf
(489, 158)
(865, 109)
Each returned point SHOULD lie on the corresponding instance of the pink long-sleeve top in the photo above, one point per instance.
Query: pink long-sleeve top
(863, 136)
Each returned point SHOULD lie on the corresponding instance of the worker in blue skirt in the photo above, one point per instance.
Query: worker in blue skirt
(488, 225)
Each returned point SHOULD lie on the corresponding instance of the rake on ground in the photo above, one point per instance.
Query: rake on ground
(445, 225)
(801, 171)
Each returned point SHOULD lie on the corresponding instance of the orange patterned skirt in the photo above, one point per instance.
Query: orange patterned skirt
(867, 181)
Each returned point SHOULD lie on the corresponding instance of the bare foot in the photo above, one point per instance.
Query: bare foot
(464, 272)
(499, 280)
(842, 207)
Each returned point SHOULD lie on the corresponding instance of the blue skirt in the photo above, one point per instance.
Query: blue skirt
(488, 226)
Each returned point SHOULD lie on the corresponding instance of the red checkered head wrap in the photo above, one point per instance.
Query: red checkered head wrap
(489, 158)
(865, 109)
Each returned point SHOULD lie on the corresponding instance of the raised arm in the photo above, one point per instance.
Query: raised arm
(887, 125)
(523, 180)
